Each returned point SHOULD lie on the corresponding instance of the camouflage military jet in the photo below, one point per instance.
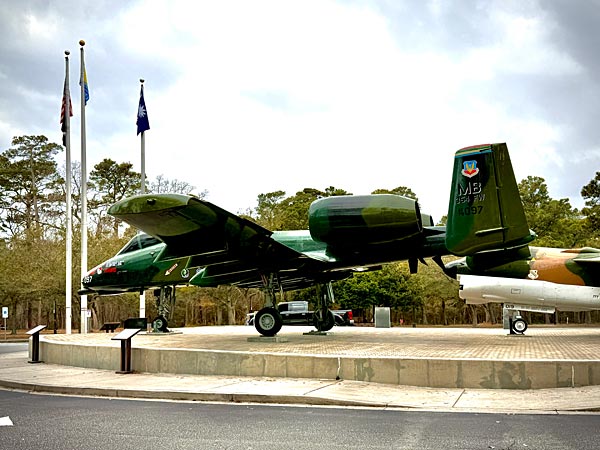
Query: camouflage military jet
(193, 242)
(189, 241)
(484, 205)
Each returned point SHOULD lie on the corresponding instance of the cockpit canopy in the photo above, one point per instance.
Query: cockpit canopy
(138, 242)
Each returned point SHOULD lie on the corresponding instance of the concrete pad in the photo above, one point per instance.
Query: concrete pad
(390, 395)
(269, 339)
(273, 387)
(147, 382)
(15, 359)
(41, 372)
(565, 399)
(298, 391)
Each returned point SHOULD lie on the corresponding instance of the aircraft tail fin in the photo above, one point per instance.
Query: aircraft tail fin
(485, 210)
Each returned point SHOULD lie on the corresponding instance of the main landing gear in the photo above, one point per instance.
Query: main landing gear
(268, 321)
(165, 303)
(323, 319)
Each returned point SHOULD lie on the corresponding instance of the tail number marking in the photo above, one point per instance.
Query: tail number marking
(469, 210)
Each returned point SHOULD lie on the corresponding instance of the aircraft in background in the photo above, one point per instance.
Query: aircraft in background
(484, 204)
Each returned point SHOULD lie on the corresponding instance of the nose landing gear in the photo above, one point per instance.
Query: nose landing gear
(165, 303)
(518, 325)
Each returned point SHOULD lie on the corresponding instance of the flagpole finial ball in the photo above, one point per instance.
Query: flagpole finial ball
(82, 42)
(141, 80)
(67, 52)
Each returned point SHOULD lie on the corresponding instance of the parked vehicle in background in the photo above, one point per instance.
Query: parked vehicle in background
(297, 313)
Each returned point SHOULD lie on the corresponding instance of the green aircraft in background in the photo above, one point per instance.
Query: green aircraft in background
(485, 204)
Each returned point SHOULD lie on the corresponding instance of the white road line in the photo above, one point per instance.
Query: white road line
(5, 422)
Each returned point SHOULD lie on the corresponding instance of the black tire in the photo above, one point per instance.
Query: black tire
(160, 324)
(268, 321)
(519, 326)
(326, 324)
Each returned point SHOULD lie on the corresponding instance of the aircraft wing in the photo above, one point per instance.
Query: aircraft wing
(189, 226)
(229, 248)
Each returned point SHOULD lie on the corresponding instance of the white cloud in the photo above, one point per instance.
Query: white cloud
(270, 95)
(527, 47)
(276, 95)
(38, 28)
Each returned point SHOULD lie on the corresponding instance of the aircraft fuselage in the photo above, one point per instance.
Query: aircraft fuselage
(135, 268)
(561, 266)
(139, 266)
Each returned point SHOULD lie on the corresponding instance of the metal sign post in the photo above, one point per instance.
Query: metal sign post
(4, 317)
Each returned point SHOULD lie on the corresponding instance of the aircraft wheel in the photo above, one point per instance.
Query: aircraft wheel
(268, 321)
(160, 324)
(519, 326)
(324, 324)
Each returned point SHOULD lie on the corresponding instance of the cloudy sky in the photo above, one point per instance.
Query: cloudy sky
(250, 97)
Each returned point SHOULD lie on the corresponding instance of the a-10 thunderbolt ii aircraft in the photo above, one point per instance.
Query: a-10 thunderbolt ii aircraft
(485, 202)
(189, 241)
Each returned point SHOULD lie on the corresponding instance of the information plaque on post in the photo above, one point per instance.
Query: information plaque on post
(35, 343)
(125, 338)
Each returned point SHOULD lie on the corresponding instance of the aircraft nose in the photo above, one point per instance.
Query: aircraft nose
(87, 280)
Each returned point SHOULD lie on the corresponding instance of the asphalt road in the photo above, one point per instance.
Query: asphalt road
(29, 421)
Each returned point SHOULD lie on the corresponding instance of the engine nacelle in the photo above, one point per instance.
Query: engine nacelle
(477, 290)
(364, 219)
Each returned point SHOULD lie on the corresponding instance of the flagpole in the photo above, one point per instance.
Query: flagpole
(143, 140)
(142, 191)
(82, 82)
(69, 237)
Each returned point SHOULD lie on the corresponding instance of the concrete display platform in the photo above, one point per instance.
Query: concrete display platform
(451, 358)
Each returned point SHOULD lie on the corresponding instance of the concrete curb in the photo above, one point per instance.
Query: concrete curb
(300, 400)
(185, 396)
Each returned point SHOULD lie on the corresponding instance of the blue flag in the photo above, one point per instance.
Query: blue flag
(142, 115)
